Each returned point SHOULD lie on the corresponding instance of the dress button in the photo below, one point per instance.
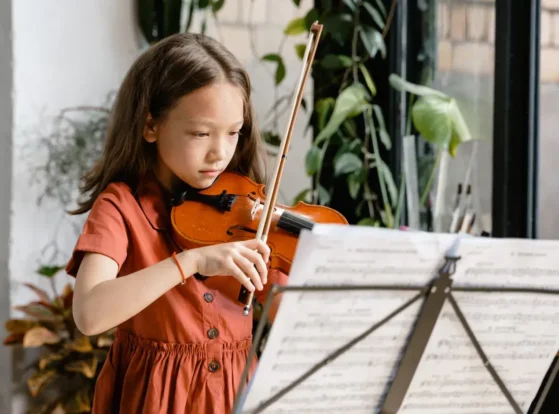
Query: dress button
(213, 333)
(214, 366)
(208, 297)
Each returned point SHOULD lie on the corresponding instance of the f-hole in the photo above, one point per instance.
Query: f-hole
(240, 227)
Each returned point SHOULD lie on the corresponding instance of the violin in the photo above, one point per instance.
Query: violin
(236, 208)
(231, 209)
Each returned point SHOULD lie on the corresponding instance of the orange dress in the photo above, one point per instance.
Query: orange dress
(184, 353)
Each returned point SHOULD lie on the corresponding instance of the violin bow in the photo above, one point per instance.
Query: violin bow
(274, 182)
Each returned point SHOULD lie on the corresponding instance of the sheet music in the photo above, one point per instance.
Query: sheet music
(519, 332)
(311, 325)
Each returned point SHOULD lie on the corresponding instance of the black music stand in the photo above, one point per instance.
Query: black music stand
(435, 294)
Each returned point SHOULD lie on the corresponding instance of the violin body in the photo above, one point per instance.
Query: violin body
(230, 210)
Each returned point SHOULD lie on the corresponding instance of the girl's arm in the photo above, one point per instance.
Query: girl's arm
(103, 301)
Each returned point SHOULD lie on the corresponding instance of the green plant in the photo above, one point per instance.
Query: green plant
(71, 149)
(63, 378)
(437, 117)
(159, 19)
(349, 127)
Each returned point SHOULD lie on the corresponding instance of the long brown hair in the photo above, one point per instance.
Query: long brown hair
(168, 70)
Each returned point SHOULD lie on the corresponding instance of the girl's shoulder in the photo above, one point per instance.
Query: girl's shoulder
(117, 190)
(146, 200)
(116, 194)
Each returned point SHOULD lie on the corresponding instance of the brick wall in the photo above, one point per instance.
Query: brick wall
(467, 36)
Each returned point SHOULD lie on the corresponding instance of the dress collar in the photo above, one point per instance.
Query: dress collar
(154, 201)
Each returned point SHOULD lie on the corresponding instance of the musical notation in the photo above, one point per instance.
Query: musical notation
(516, 330)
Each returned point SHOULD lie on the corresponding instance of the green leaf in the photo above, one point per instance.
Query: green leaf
(348, 146)
(382, 8)
(302, 196)
(402, 85)
(172, 17)
(49, 271)
(354, 182)
(323, 108)
(280, 68)
(323, 195)
(271, 138)
(389, 180)
(383, 133)
(368, 221)
(217, 5)
(295, 27)
(377, 18)
(297, 2)
(431, 117)
(368, 79)
(351, 102)
(339, 26)
(300, 50)
(353, 185)
(350, 127)
(373, 41)
(347, 163)
(145, 10)
(313, 160)
(460, 131)
(351, 5)
(336, 61)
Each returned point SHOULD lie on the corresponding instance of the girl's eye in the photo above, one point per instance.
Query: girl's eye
(200, 134)
(234, 133)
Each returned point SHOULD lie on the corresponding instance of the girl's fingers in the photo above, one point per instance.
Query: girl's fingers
(238, 274)
(248, 268)
(258, 261)
(260, 246)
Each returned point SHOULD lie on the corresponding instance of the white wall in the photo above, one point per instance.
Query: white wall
(72, 57)
(78, 54)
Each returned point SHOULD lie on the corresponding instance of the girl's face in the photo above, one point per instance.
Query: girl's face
(197, 139)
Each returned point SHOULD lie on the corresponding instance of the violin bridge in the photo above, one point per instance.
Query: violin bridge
(254, 208)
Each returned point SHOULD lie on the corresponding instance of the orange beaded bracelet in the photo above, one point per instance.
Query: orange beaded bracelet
(180, 268)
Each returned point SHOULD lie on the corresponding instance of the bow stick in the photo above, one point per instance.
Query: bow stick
(273, 186)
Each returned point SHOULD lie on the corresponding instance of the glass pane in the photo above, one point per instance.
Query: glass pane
(465, 65)
(548, 183)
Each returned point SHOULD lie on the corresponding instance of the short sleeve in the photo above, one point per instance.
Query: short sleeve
(104, 231)
(275, 277)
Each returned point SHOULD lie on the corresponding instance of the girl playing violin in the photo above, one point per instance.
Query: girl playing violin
(183, 115)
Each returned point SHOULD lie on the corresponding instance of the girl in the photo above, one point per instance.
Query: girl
(183, 115)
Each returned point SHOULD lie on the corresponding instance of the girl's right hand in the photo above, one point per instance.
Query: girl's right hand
(244, 260)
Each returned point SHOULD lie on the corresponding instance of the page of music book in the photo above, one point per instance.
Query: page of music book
(519, 332)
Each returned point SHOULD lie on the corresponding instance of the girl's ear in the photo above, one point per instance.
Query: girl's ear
(150, 134)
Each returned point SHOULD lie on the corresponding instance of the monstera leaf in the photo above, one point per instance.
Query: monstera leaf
(435, 115)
